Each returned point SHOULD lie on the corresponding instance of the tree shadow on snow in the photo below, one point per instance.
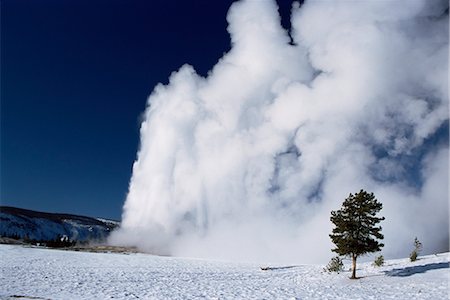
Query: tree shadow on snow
(277, 268)
(409, 271)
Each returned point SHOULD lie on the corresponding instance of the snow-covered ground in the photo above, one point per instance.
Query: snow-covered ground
(31, 273)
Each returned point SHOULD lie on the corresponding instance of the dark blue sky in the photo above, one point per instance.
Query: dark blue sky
(75, 77)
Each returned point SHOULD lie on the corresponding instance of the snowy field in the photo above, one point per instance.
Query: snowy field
(31, 273)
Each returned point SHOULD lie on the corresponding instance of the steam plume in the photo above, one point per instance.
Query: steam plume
(248, 162)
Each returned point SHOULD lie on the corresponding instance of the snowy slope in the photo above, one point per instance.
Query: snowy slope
(47, 226)
(56, 274)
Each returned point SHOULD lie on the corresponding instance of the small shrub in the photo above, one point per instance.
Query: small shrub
(417, 249)
(379, 261)
(335, 265)
(413, 256)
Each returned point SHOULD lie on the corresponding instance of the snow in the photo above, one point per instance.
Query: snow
(37, 273)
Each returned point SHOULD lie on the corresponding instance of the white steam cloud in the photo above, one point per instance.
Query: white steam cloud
(248, 162)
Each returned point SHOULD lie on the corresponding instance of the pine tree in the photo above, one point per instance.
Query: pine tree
(335, 265)
(356, 233)
(379, 261)
(417, 249)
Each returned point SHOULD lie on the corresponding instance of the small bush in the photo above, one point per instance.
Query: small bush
(417, 249)
(379, 261)
(413, 256)
(335, 265)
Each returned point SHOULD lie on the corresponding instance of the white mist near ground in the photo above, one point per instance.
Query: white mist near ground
(248, 162)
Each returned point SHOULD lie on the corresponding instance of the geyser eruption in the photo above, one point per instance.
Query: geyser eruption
(248, 162)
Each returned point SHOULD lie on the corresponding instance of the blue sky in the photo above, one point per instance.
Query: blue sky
(75, 77)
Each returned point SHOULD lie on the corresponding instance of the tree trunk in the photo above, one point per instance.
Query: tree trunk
(353, 267)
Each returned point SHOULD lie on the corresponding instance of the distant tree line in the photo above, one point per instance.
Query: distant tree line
(60, 241)
(13, 236)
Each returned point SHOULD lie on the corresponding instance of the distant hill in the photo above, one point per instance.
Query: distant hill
(33, 226)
